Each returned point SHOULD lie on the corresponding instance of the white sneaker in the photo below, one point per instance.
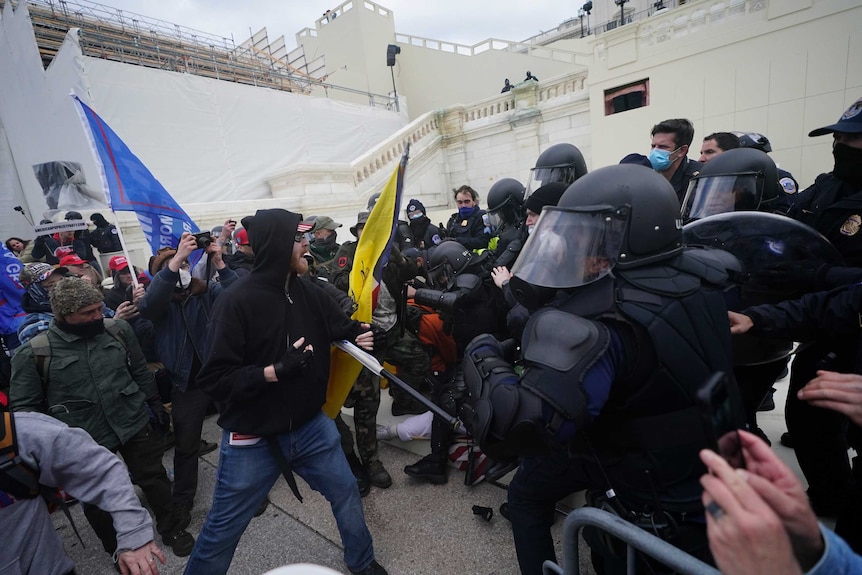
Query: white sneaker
(385, 432)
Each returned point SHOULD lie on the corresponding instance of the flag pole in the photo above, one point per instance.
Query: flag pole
(135, 283)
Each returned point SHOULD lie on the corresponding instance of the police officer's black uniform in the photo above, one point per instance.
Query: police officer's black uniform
(610, 375)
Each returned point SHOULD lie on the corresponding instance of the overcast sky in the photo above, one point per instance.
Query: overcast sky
(461, 21)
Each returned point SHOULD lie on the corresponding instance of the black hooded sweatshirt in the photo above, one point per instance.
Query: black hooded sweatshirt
(254, 322)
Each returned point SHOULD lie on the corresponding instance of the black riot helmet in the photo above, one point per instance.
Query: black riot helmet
(753, 140)
(505, 202)
(738, 180)
(559, 163)
(619, 216)
(448, 259)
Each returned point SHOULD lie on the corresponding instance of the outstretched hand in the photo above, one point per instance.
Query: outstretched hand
(739, 323)
(141, 560)
(841, 392)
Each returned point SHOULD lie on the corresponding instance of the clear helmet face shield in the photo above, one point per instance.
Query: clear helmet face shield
(572, 247)
(710, 195)
(495, 219)
(548, 175)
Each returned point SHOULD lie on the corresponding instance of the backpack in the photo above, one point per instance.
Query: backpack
(19, 479)
(16, 477)
(41, 346)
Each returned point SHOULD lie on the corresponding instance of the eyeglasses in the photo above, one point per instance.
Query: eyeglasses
(297, 237)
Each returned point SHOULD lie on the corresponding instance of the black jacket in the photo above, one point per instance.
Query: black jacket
(470, 232)
(251, 326)
(834, 209)
(831, 315)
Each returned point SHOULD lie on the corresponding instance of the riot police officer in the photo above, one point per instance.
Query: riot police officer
(757, 141)
(741, 179)
(611, 372)
(559, 163)
(466, 305)
(506, 215)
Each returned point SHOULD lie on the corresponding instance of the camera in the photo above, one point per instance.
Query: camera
(203, 240)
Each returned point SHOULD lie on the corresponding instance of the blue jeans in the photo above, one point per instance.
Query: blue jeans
(245, 476)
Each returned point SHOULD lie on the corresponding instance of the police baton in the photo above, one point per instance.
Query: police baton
(369, 361)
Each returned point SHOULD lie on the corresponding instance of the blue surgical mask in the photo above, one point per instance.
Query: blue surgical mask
(660, 159)
(466, 212)
(415, 215)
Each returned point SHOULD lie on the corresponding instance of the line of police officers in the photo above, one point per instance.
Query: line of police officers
(627, 318)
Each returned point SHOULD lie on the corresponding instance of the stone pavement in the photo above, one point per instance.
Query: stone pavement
(418, 529)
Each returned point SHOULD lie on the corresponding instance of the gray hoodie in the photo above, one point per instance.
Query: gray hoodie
(66, 457)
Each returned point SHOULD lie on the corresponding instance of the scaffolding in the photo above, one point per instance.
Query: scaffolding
(121, 36)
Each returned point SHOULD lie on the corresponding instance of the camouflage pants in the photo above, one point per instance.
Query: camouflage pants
(413, 364)
(407, 354)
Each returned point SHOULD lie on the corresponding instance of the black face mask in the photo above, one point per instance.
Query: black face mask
(327, 242)
(83, 330)
(848, 165)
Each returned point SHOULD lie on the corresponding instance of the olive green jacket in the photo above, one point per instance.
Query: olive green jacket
(97, 384)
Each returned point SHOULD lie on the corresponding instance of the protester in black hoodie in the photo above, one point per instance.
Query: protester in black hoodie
(267, 369)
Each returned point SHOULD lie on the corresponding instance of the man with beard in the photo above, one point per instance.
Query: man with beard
(267, 368)
(90, 373)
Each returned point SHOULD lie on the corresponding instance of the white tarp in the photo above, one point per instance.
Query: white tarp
(205, 140)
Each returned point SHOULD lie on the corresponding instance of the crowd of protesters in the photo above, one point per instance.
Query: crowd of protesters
(569, 326)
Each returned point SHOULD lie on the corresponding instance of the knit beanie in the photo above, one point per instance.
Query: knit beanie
(72, 294)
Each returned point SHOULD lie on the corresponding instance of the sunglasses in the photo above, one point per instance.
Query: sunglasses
(297, 237)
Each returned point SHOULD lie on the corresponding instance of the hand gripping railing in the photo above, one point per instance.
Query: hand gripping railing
(635, 538)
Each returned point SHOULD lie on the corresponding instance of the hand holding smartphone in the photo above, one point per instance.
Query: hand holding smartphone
(723, 416)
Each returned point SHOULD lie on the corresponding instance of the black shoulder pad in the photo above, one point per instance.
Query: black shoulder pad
(713, 265)
(468, 282)
(563, 341)
(662, 279)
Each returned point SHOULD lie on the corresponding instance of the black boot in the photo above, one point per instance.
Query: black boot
(363, 482)
(432, 468)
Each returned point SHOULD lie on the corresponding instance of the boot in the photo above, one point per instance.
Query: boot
(363, 483)
(430, 468)
(378, 475)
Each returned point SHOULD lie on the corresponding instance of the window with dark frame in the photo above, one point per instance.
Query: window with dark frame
(628, 97)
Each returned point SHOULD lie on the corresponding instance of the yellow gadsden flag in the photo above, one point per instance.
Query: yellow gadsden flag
(372, 254)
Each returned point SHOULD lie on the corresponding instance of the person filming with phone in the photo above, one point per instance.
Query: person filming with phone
(759, 519)
(624, 330)
(179, 307)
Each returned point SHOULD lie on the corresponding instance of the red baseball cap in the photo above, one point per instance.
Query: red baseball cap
(72, 260)
(118, 263)
(242, 238)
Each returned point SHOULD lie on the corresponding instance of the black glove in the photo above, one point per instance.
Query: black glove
(160, 418)
(293, 361)
(380, 338)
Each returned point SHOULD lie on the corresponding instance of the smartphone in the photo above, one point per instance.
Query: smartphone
(722, 416)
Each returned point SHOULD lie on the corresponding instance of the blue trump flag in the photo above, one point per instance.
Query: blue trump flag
(11, 292)
(130, 187)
